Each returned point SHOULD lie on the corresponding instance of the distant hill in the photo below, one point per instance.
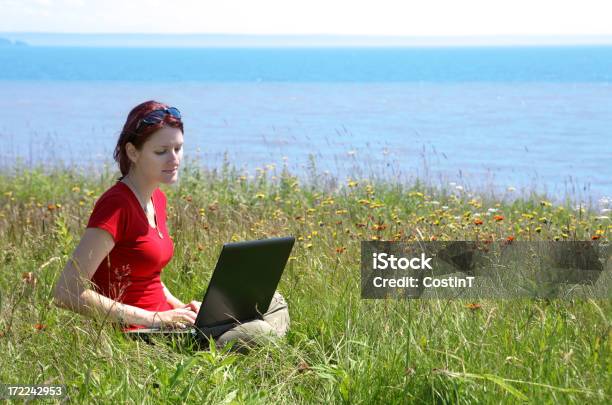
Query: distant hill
(8, 42)
(245, 41)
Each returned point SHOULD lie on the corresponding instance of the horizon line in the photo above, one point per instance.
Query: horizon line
(132, 39)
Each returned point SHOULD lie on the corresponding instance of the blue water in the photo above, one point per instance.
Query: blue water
(329, 65)
(532, 118)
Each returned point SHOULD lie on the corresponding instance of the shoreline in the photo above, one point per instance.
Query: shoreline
(329, 181)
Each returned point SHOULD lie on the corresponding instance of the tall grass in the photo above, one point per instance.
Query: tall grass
(340, 348)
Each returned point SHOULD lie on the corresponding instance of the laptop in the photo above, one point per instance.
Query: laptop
(241, 288)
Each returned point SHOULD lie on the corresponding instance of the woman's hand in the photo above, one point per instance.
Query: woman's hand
(174, 318)
(193, 305)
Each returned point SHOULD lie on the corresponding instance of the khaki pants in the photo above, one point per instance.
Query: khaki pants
(274, 324)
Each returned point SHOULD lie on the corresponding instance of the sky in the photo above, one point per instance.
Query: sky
(312, 17)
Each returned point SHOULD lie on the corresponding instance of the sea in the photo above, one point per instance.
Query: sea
(508, 120)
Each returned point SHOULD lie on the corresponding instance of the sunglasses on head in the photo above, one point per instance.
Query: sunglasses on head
(157, 116)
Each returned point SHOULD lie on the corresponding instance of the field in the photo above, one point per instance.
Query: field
(340, 348)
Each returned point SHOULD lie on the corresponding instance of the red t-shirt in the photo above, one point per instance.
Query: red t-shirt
(131, 272)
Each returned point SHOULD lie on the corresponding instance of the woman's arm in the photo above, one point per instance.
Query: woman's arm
(71, 289)
(171, 299)
(176, 303)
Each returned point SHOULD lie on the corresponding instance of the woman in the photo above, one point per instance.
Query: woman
(126, 243)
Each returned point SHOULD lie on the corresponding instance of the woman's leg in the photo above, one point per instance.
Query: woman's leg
(274, 324)
(278, 315)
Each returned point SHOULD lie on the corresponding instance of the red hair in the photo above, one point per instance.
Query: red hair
(138, 136)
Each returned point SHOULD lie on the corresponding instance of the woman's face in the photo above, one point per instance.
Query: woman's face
(160, 156)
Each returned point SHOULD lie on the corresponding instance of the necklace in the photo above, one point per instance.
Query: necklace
(161, 236)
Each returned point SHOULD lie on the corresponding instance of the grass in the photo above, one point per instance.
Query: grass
(340, 348)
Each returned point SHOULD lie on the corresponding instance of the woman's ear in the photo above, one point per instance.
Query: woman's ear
(132, 152)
